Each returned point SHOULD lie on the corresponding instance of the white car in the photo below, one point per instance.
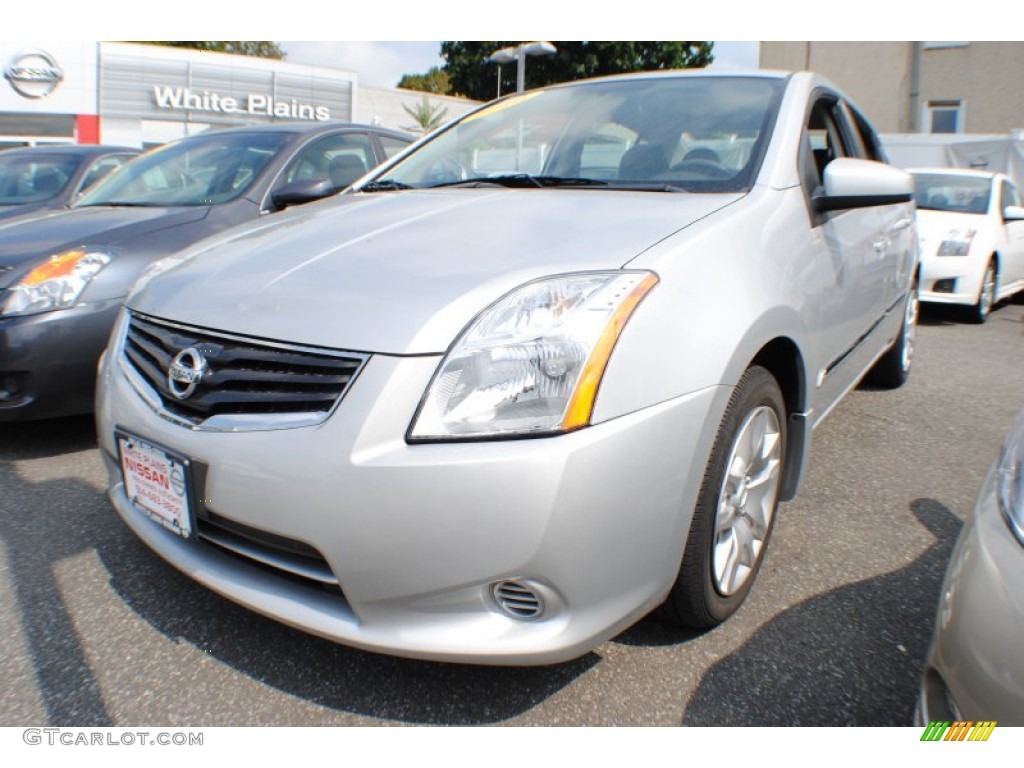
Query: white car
(971, 226)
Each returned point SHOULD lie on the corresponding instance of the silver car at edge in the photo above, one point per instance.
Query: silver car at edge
(975, 668)
(546, 371)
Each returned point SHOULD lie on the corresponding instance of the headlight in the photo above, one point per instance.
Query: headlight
(531, 363)
(1010, 478)
(55, 284)
(956, 242)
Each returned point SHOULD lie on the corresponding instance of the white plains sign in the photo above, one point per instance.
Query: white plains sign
(182, 99)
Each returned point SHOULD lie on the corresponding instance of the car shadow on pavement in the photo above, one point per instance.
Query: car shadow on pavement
(322, 672)
(939, 314)
(62, 519)
(43, 439)
(47, 521)
(851, 656)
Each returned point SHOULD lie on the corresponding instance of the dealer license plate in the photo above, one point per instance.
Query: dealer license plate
(157, 482)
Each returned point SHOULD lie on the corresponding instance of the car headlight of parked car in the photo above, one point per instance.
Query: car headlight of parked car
(957, 242)
(1010, 478)
(57, 283)
(531, 363)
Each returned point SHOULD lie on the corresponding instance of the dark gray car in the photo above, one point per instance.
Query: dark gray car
(63, 275)
(37, 179)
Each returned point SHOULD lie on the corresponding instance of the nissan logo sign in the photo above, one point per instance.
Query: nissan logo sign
(34, 74)
(185, 372)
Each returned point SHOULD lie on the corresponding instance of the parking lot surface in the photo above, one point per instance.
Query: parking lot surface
(95, 630)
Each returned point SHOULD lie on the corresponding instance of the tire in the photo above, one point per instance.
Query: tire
(733, 518)
(987, 295)
(893, 368)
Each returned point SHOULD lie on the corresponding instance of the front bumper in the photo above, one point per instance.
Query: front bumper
(416, 535)
(975, 668)
(964, 272)
(48, 360)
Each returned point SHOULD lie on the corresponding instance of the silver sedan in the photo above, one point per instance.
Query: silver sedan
(546, 371)
(975, 669)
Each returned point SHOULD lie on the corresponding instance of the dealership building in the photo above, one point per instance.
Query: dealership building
(144, 95)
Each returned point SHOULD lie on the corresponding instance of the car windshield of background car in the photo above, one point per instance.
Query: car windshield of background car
(698, 134)
(952, 192)
(33, 179)
(203, 171)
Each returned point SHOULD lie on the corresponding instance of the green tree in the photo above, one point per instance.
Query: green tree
(434, 80)
(266, 49)
(470, 74)
(427, 116)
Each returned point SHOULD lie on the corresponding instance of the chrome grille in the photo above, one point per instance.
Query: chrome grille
(243, 376)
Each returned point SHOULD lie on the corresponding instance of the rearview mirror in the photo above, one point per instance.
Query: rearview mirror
(851, 183)
(302, 191)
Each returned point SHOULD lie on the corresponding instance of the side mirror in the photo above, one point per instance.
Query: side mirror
(851, 183)
(1013, 213)
(302, 191)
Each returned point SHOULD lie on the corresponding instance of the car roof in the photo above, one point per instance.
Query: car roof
(767, 74)
(304, 128)
(68, 149)
(957, 172)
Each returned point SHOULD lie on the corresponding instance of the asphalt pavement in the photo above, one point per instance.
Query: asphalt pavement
(96, 630)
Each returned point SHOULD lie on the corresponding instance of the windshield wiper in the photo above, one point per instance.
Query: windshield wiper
(124, 204)
(383, 185)
(646, 186)
(523, 181)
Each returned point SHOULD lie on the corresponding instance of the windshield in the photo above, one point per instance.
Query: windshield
(701, 134)
(34, 178)
(204, 170)
(952, 192)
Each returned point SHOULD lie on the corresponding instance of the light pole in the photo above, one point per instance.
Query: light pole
(518, 54)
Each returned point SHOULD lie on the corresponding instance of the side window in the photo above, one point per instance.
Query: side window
(342, 158)
(1009, 195)
(392, 146)
(101, 168)
(823, 142)
(867, 137)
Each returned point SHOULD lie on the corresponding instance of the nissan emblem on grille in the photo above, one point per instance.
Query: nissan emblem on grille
(185, 372)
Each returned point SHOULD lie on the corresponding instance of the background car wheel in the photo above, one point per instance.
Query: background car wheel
(987, 295)
(893, 368)
(736, 506)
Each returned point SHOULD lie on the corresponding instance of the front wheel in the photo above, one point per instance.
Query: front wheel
(893, 368)
(987, 295)
(735, 510)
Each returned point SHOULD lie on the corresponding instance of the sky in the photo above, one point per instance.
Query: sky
(381, 64)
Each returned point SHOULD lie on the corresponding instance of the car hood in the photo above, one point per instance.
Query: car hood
(403, 273)
(48, 233)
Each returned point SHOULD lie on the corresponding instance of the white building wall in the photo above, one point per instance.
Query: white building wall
(383, 106)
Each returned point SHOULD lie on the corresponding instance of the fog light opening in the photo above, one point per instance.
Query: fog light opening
(10, 387)
(518, 600)
(946, 285)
